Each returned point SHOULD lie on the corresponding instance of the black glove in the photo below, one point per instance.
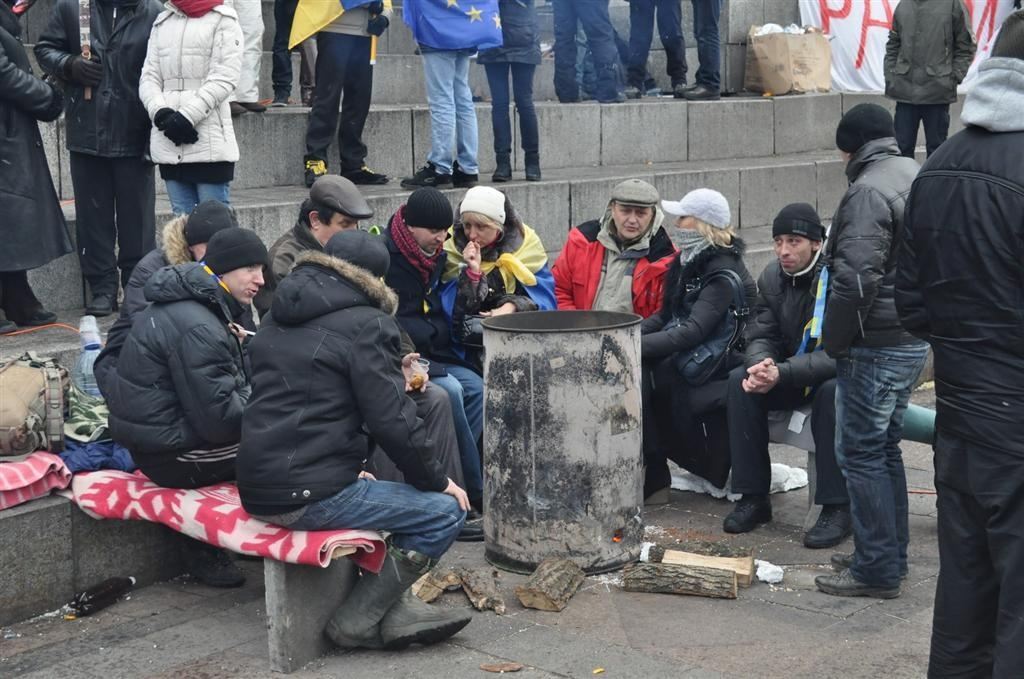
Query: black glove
(377, 25)
(177, 128)
(55, 107)
(375, 7)
(87, 72)
(161, 118)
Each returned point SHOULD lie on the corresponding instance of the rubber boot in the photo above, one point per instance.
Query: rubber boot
(356, 623)
(503, 171)
(532, 163)
(411, 621)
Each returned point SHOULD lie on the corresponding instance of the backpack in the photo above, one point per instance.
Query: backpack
(33, 392)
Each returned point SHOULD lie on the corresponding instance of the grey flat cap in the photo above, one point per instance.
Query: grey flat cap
(635, 192)
(340, 194)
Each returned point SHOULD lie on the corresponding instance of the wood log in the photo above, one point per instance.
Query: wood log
(705, 547)
(482, 589)
(435, 583)
(551, 585)
(743, 566)
(666, 578)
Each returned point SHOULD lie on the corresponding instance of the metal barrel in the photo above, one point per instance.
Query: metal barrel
(563, 470)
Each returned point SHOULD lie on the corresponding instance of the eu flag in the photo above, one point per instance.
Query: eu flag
(352, 4)
(454, 24)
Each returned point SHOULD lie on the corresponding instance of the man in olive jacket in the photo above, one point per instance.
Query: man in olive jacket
(930, 48)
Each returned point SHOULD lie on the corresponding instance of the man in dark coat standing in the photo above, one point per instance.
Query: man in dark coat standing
(108, 137)
(32, 224)
(959, 287)
(877, 361)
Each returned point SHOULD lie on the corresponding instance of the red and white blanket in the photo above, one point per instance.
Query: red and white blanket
(33, 477)
(214, 514)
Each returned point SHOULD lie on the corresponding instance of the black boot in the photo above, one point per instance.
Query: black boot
(503, 171)
(834, 525)
(533, 167)
(211, 565)
(750, 512)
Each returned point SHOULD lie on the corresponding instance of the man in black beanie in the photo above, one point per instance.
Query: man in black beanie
(877, 361)
(959, 288)
(784, 370)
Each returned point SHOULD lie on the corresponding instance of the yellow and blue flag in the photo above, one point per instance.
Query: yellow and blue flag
(312, 15)
(454, 24)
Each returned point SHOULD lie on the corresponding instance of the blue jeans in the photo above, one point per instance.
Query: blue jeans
(452, 113)
(522, 89)
(873, 388)
(705, 29)
(423, 522)
(184, 196)
(466, 390)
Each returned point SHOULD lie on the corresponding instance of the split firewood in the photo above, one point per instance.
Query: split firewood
(666, 578)
(435, 583)
(482, 589)
(708, 555)
(551, 585)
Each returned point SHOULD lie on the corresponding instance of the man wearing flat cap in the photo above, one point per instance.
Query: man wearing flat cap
(784, 369)
(618, 262)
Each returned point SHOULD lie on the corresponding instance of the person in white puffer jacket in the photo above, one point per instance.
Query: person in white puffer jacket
(192, 67)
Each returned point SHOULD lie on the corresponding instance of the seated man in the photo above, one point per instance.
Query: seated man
(327, 368)
(184, 240)
(617, 263)
(784, 370)
(180, 385)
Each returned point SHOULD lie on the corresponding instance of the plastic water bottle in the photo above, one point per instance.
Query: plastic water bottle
(89, 333)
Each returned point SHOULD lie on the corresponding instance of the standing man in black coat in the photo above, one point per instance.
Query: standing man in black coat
(108, 137)
(960, 287)
(784, 369)
(32, 225)
(877, 361)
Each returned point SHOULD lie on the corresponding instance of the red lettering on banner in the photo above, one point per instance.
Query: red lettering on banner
(827, 13)
(870, 22)
(987, 23)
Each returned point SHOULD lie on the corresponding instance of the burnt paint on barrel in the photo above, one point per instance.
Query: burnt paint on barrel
(562, 447)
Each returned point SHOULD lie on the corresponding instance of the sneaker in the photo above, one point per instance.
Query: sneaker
(315, 168)
(280, 101)
(101, 305)
(834, 525)
(840, 562)
(237, 109)
(473, 528)
(844, 584)
(427, 176)
(702, 93)
(365, 175)
(750, 512)
(633, 92)
(617, 99)
(463, 180)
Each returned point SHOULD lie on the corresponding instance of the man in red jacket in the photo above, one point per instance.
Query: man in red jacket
(617, 263)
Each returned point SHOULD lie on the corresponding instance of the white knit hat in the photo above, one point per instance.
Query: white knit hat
(487, 201)
(706, 205)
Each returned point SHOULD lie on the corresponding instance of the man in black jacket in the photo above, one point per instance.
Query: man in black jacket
(784, 370)
(328, 373)
(877, 361)
(959, 287)
(107, 135)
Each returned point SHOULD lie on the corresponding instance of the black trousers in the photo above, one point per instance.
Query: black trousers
(114, 202)
(191, 469)
(935, 118)
(17, 301)
(748, 437)
(978, 626)
(641, 32)
(342, 66)
(281, 71)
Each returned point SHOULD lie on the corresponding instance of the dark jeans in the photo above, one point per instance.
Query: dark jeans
(522, 89)
(909, 116)
(17, 300)
(706, 14)
(281, 73)
(978, 630)
(872, 391)
(748, 437)
(641, 32)
(342, 66)
(597, 25)
(116, 203)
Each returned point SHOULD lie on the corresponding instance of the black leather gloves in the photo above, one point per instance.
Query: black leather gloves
(377, 25)
(175, 127)
(83, 71)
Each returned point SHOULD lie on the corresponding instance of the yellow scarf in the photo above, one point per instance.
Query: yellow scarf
(516, 266)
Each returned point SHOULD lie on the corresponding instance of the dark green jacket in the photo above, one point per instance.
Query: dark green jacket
(931, 46)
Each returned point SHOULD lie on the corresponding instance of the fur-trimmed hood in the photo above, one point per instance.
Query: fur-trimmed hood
(320, 284)
(173, 243)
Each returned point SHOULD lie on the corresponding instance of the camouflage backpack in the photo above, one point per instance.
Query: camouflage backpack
(33, 391)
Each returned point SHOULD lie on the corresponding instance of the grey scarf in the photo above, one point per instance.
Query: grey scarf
(689, 242)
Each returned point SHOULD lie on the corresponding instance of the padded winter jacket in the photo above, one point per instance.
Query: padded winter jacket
(520, 35)
(931, 46)
(193, 66)
(283, 253)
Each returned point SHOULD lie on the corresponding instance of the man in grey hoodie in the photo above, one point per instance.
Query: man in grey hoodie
(959, 287)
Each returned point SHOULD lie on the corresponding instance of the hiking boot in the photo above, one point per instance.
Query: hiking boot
(237, 109)
(280, 101)
(101, 305)
(503, 169)
(844, 584)
(750, 512)
(212, 566)
(841, 562)
(357, 622)
(427, 176)
(473, 528)
(412, 621)
(463, 180)
(702, 93)
(315, 168)
(834, 525)
(365, 175)
(532, 167)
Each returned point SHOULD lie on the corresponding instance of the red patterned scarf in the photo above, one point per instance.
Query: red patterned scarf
(423, 263)
(196, 8)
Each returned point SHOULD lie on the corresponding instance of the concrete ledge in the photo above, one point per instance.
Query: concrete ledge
(731, 128)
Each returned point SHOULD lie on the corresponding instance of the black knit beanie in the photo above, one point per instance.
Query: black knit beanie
(861, 124)
(362, 249)
(232, 249)
(428, 208)
(798, 219)
(1010, 42)
(206, 219)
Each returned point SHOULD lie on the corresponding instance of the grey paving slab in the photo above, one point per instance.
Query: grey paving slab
(732, 128)
(570, 135)
(36, 559)
(764, 191)
(640, 133)
(806, 122)
(830, 176)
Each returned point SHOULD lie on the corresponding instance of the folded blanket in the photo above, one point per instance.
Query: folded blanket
(214, 514)
(32, 477)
